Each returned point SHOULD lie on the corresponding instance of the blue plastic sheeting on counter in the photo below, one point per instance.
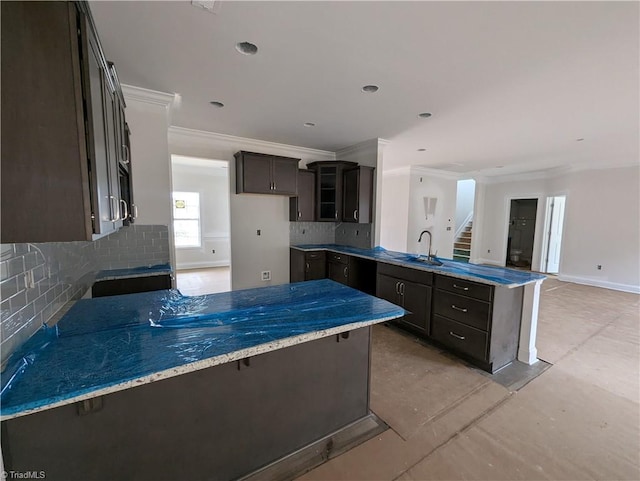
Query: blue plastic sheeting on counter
(498, 276)
(141, 271)
(106, 341)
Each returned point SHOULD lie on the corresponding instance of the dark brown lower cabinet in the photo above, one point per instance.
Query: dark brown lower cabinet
(479, 322)
(410, 289)
(130, 285)
(307, 266)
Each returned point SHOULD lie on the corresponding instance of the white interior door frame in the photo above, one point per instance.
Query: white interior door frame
(553, 228)
(537, 236)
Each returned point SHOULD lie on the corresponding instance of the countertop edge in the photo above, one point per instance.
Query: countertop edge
(421, 268)
(203, 364)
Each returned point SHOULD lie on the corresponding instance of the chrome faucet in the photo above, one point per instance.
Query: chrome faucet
(430, 240)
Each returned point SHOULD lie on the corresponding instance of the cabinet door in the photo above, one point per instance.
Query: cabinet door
(357, 198)
(338, 272)
(388, 288)
(315, 269)
(416, 298)
(111, 114)
(302, 208)
(284, 176)
(256, 172)
(98, 139)
(350, 195)
(328, 189)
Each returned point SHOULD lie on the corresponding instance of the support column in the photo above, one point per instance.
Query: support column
(527, 351)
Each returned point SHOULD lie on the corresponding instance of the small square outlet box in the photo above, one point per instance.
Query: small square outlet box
(266, 275)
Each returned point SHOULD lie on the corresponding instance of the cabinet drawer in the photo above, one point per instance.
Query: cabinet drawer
(339, 258)
(466, 288)
(464, 339)
(462, 309)
(413, 275)
(311, 256)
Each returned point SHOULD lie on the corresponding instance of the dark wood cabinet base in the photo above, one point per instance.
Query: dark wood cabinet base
(130, 285)
(222, 423)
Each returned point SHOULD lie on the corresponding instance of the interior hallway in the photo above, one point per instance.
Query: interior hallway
(578, 420)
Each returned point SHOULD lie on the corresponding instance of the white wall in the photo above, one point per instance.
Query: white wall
(602, 224)
(425, 184)
(394, 217)
(212, 183)
(464, 202)
(148, 115)
(250, 254)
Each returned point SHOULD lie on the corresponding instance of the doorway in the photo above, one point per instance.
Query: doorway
(554, 221)
(522, 229)
(201, 224)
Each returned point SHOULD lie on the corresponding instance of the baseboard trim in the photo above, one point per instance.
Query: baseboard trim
(599, 283)
(201, 265)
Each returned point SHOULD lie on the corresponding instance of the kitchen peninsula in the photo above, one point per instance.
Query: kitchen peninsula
(157, 385)
(486, 315)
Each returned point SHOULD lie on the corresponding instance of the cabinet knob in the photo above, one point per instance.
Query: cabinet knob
(456, 286)
(461, 309)
(336, 215)
(355, 214)
(307, 266)
(346, 272)
(299, 214)
(115, 207)
(127, 154)
(135, 211)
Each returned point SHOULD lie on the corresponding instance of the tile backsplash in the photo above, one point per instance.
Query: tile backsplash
(355, 235)
(37, 280)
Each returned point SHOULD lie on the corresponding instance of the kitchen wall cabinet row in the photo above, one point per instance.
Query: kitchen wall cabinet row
(334, 192)
(478, 322)
(65, 141)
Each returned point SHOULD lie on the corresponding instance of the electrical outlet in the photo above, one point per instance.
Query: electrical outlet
(599, 267)
(213, 251)
(488, 251)
(448, 228)
(266, 275)
(258, 232)
(28, 280)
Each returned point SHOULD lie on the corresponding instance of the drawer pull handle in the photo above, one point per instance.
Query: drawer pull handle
(460, 287)
(461, 309)
(456, 336)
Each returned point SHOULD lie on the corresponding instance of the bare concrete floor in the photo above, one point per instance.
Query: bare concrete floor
(579, 419)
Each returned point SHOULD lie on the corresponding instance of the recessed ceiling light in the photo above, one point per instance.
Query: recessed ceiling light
(370, 89)
(499, 166)
(246, 48)
(217, 104)
(421, 150)
(309, 124)
(579, 140)
(424, 115)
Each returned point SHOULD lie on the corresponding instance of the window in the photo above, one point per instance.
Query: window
(186, 219)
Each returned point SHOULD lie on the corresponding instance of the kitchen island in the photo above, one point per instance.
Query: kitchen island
(157, 385)
(489, 308)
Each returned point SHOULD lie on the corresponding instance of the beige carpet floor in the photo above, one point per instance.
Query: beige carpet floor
(578, 420)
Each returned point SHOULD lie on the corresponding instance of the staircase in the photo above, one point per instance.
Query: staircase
(462, 245)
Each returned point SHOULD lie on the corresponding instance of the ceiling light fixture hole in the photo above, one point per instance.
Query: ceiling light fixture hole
(217, 104)
(370, 89)
(579, 140)
(309, 124)
(246, 48)
(424, 115)
(422, 150)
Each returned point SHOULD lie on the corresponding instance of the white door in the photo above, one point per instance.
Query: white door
(555, 217)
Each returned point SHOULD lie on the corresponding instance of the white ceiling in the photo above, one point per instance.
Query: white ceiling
(510, 84)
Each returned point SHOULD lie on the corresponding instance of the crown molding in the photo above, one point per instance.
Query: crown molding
(177, 133)
(367, 145)
(153, 97)
(397, 172)
(443, 174)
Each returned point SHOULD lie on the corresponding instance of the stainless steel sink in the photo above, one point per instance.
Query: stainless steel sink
(428, 260)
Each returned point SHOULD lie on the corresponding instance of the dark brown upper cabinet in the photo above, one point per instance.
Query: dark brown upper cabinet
(60, 127)
(329, 188)
(357, 197)
(302, 208)
(266, 174)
